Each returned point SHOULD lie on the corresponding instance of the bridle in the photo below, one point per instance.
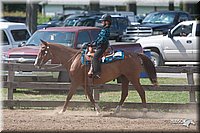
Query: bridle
(45, 53)
(51, 54)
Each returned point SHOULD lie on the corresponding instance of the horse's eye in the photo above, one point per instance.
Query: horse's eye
(43, 48)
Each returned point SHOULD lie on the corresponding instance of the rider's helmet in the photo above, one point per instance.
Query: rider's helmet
(105, 17)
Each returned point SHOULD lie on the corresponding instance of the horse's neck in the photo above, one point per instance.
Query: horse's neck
(64, 55)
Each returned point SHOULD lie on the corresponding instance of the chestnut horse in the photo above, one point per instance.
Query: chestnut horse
(129, 69)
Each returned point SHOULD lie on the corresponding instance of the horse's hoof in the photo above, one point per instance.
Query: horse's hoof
(144, 110)
(117, 110)
(98, 114)
(61, 112)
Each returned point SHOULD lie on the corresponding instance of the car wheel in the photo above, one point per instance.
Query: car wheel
(157, 59)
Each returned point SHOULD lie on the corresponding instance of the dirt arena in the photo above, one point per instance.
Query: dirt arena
(87, 120)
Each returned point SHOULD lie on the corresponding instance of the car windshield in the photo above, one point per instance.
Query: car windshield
(59, 37)
(70, 22)
(161, 18)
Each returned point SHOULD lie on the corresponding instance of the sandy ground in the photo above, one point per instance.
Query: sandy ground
(87, 120)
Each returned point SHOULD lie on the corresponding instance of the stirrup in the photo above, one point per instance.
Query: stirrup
(97, 76)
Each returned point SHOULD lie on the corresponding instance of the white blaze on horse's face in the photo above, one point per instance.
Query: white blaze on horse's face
(43, 56)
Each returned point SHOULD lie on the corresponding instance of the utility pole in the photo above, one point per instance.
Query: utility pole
(171, 5)
(31, 16)
(131, 7)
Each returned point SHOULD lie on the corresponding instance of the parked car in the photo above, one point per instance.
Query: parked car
(134, 19)
(70, 21)
(13, 34)
(179, 47)
(119, 24)
(155, 23)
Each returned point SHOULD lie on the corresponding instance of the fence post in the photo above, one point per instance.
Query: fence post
(10, 80)
(190, 80)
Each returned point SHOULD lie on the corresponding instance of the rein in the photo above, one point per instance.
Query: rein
(59, 65)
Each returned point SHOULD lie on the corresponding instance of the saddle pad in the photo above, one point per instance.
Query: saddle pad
(118, 55)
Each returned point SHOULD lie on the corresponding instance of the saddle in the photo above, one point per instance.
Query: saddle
(108, 56)
(90, 53)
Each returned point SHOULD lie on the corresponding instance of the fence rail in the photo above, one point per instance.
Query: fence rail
(11, 84)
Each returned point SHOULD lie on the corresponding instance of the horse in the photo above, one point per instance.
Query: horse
(128, 70)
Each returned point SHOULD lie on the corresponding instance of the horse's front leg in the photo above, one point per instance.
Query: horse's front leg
(72, 91)
(124, 93)
(90, 96)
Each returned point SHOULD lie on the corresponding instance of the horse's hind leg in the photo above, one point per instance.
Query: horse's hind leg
(124, 93)
(72, 90)
(140, 90)
(136, 83)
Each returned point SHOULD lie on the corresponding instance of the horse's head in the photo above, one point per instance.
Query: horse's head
(44, 55)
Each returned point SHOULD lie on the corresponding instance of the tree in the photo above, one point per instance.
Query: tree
(31, 16)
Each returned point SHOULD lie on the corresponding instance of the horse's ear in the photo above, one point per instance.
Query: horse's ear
(43, 42)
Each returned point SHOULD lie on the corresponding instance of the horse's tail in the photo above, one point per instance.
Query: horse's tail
(149, 68)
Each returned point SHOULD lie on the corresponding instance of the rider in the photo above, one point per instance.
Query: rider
(102, 43)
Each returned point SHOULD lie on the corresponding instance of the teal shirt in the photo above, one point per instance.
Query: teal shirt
(103, 37)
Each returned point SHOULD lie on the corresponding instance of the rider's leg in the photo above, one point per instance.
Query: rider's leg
(96, 62)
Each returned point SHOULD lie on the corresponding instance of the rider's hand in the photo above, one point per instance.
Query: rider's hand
(85, 45)
(92, 44)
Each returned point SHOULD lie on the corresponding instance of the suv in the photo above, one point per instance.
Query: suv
(119, 24)
(13, 34)
(155, 23)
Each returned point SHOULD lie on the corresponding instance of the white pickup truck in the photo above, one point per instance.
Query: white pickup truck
(178, 47)
(13, 34)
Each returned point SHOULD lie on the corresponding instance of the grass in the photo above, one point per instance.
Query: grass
(41, 18)
(108, 96)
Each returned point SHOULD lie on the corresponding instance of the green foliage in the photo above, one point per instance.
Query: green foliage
(40, 18)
